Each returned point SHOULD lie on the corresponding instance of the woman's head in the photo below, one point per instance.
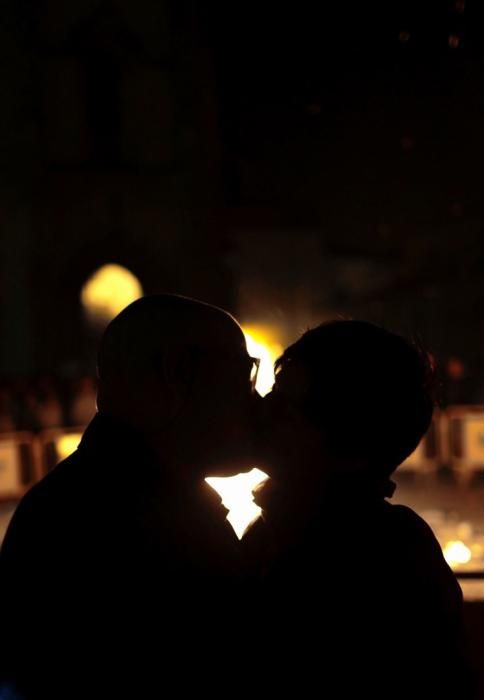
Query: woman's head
(352, 394)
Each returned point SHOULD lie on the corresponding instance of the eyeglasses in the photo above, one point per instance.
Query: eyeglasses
(236, 367)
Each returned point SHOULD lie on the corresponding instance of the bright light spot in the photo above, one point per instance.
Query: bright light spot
(258, 345)
(236, 491)
(65, 445)
(236, 494)
(108, 291)
(456, 553)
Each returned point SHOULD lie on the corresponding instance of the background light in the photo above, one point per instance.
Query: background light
(108, 291)
(457, 553)
(260, 345)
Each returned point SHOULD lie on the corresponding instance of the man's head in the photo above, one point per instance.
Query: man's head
(178, 370)
(351, 394)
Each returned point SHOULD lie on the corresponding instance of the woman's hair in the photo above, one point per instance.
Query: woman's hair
(369, 390)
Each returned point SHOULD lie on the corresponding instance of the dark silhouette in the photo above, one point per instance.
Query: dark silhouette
(358, 598)
(118, 569)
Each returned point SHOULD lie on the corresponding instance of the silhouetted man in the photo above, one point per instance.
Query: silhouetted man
(118, 569)
(358, 599)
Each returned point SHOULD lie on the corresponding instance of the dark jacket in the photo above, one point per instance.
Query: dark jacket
(112, 575)
(358, 601)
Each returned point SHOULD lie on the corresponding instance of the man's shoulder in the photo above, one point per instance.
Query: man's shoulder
(417, 545)
(42, 503)
(64, 477)
(409, 525)
(409, 534)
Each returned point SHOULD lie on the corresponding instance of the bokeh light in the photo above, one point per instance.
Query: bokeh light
(108, 291)
(66, 444)
(457, 553)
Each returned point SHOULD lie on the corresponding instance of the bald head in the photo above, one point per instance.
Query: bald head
(178, 369)
(155, 326)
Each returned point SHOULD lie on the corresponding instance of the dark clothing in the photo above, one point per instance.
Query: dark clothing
(359, 602)
(112, 576)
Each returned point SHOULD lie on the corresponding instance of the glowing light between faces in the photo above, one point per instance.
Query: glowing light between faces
(236, 494)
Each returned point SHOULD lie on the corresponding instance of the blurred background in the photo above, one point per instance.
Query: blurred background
(291, 164)
(288, 164)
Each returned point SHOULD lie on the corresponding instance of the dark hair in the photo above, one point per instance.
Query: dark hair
(370, 390)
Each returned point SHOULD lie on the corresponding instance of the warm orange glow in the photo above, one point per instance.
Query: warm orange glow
(456, 553)
(236, 494)
(65, 445)
(10, 481)
(108, 291)
(260, 345)
(236, 491)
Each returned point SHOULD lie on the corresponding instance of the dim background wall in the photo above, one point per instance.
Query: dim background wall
(289, 165)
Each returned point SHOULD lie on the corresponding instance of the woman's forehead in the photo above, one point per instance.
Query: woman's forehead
(292, 379)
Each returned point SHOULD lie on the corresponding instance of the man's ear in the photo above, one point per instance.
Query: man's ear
(179, 369)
